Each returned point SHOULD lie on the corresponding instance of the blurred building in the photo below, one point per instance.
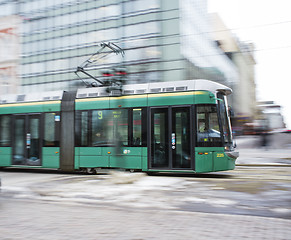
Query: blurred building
(9, 54)
(163, 40)
(242, 55)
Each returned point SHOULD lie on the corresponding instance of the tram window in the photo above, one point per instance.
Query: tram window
(81, 128)
(84, 128)
(208, 133)
(51, 129)
(109, 126)
(159, 141)
(5, 137)
(102, 128)
(137, 127)
(121, 132)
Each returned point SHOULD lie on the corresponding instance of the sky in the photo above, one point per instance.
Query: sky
(266, 23)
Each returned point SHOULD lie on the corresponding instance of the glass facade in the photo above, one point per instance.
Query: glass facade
(163, 40)
(198, 47)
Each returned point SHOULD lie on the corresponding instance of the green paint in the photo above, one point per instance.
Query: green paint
(95, 103)
(49, 161)
(51, 157)
(93, 161)
(5, 156)
(203, 163)
(31, 107)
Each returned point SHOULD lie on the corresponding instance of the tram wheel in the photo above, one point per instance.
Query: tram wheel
(93, 171)
(151, 173)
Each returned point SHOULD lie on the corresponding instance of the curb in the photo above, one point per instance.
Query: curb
(263, 165)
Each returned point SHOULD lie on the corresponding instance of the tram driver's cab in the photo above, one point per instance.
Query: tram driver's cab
(213, 124)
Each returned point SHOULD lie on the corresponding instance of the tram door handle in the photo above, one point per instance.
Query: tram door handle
(173, 141)
(28, 140)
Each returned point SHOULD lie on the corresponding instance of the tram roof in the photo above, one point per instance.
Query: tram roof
(146, 88)
(159, 87)
(32, 97)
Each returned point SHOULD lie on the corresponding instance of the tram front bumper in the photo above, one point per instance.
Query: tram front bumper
(233, 154)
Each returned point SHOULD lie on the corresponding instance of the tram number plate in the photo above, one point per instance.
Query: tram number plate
(220, 155)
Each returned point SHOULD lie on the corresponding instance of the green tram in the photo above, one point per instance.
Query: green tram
(181, 126)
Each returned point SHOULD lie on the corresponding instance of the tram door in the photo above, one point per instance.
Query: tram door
(26, 140)
(170, 138)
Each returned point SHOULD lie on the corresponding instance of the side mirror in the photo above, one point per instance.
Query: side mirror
(230, 111)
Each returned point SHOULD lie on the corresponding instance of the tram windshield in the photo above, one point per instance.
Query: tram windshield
(225, 119)
(208, 131)
(213, 124)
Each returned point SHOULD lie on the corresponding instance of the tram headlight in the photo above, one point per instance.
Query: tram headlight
(227, 148)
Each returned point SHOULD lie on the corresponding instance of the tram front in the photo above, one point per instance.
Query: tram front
(215, 148)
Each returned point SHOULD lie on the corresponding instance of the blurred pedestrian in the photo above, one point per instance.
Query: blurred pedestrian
(264, 139)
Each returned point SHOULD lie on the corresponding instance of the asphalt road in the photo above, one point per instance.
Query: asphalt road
(249, 202)
(259, 191)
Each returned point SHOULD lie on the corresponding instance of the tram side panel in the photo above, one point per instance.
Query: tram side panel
(5, 156)
(97, 122)
(31, 116)
(51, 127)
(131, 153)
(91, 153)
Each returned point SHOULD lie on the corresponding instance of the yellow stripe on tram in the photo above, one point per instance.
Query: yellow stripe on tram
(29, 104)
(156, 95)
